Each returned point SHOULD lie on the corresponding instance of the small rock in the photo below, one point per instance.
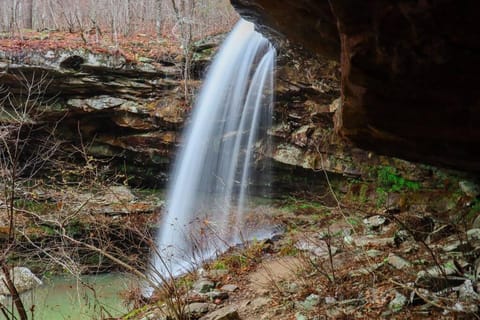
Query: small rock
(199, 308)
(119, 194)
(23, 279)
(374, 222)
(202, 273)
(259, 302)
(311, 301)
(466, 292)
(473, 234)
(193, 296)
(365, 241)
(402, 236)
(330, 300)
(410, 246)
(299, 316)
(318, 248)
(293, 287)
(398, 302)
(398, 262)
(366, 270)
(469, 188)
(469, 308)
(226, 313)
(203, 285)
(452, 246)
(374, 253)
(348, 239)
(230, 288)
(145, 60)
(216, 294)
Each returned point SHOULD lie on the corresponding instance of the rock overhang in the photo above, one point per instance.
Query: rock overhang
(408, 69)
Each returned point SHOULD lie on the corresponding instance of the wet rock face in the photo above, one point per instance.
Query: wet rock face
(408, 69)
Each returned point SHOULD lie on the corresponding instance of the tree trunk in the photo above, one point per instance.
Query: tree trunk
(13, 17)
(158, 18)
(130, 18)
(113, 22)
(28, 14)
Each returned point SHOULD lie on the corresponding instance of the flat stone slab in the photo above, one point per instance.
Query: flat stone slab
(226, 313)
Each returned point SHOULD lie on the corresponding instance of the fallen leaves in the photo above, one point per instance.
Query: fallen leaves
(131, 47)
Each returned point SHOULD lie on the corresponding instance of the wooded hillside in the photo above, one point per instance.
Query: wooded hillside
(118, 17)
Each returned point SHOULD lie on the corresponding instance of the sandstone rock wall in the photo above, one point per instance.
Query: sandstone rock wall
(408, 68)
(105, 107)
(126, 120)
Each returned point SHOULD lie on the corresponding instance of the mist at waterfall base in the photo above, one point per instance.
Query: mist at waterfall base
(206, 201)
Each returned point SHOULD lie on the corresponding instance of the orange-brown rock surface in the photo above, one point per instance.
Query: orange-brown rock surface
(409, 70)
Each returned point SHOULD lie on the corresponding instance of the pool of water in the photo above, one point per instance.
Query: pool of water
(65, 297)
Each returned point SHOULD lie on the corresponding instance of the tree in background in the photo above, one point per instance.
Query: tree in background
(116, 16)
(28, 16)
(158, 18)
(185, 15)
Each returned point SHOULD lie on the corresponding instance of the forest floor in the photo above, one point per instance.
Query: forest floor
(342, 260)
(337, 256)
(133, 48)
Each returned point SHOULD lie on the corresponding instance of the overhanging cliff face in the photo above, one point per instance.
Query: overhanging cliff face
(102, 111)
(409, 70)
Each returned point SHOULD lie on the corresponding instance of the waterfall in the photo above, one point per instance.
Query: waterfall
(205, 204)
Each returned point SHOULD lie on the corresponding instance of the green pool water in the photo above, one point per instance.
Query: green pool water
(67, 298)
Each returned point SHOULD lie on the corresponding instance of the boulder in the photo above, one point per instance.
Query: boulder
(23, 279)
(398, 262)
(197, 309)
(225, 313)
